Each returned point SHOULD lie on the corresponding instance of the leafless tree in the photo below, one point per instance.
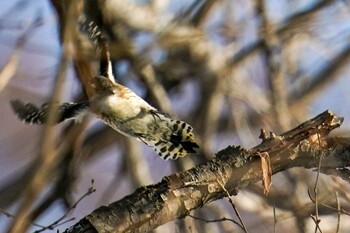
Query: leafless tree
(230, 69)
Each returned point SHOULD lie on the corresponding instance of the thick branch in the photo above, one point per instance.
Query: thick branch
(233, 168)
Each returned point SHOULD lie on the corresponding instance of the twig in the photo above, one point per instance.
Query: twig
(242, 225)
(58, 221)
(317, 226)
(216, 220)
(316, 218)
(316, 183)
(274, 218)
(339, 210)
(342, 211)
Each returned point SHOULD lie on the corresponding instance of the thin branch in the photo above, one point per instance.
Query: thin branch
(216, 220)
(242, 225)
(274, 219)
(339, 211)
(342, 211)
(317, 219)
(59, 222)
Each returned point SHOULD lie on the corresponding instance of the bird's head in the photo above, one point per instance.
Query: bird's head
(102, 84)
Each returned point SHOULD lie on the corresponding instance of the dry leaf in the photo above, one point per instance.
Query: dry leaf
(266, 171)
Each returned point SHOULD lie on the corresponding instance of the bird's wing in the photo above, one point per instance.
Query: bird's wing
(31, 114)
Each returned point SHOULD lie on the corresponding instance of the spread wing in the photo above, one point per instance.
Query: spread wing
(31, 114)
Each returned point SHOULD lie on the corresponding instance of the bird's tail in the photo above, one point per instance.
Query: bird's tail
(178, 144)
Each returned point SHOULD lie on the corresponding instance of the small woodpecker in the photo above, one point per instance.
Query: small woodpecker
(124, 111)
(129, 114)
(120, 108)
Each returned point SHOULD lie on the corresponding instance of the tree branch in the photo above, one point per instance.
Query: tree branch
(176, 195)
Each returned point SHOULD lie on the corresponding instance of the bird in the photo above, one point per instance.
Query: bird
(118, 107)
(127, 113)
(124, 111)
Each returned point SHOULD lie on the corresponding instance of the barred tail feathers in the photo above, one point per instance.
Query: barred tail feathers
(178, 144)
